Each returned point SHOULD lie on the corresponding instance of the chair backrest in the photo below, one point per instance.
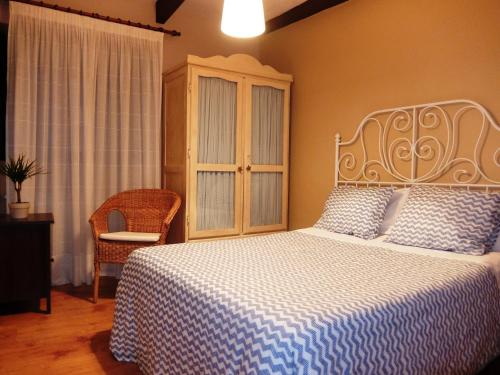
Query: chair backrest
(144, 210)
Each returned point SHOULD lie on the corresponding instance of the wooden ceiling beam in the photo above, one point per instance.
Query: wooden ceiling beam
(165, 9)
(301, 11)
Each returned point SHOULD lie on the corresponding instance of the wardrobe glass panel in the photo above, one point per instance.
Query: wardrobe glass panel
(266, 198)
(216, 121)
(215, 200)
(267, 125)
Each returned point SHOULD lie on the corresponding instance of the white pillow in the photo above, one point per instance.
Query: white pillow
(393, 209)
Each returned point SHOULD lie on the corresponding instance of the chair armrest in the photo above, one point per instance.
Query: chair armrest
(165, 226)
(98, 223)
(164, 233)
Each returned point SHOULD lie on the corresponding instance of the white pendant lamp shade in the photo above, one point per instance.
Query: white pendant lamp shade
(243, 18)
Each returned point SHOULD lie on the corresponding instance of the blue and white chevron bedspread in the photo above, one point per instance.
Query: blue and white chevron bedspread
(294, 303)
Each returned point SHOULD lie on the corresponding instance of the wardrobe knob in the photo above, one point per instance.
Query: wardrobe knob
(240, 169)
(249, 167)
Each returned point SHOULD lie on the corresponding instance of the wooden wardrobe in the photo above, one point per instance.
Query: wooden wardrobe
(225, 147)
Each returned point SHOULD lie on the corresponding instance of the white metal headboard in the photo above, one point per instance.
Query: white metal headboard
(409, 144)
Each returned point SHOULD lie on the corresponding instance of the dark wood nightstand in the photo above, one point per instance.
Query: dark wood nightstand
(25, 260)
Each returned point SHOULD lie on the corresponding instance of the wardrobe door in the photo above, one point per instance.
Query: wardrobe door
(266, 154)
(215, 205)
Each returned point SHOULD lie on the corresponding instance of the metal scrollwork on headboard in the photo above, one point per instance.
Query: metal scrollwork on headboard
(423, 135)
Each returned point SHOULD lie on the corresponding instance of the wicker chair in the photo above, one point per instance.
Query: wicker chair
(144, 210)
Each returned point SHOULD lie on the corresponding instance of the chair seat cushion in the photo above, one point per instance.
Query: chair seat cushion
(130, 236)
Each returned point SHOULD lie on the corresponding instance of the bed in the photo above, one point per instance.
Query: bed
(312, 301)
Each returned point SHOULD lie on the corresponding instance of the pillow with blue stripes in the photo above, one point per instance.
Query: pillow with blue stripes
(355, 211)
(461, 221)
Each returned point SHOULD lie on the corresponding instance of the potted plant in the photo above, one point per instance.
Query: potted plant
(18, 171)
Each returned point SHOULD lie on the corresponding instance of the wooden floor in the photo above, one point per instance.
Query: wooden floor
(74, 339)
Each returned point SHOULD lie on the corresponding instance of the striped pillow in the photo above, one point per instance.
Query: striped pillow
(461, 221)
(354, 211)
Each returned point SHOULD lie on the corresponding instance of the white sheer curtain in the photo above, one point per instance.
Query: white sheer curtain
(267, 125)
(267, 149)
(84, 99)
(216, 145)
(216, 121)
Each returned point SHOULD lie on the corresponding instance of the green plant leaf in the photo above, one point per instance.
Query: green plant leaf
(20, 169)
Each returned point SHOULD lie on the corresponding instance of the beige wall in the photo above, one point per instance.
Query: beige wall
(199, 25)
(371, 54)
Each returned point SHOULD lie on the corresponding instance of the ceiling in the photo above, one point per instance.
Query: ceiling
(213, 8)
(273, 8)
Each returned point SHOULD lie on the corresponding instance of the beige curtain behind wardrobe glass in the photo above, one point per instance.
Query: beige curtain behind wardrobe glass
(84, 99)
(216, 145)
(267, 149)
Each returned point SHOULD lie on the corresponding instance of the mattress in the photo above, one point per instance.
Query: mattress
(303, 302)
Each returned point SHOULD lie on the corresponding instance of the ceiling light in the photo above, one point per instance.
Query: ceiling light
(243, 18)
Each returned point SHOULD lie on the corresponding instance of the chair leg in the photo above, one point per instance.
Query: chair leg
(96, 281)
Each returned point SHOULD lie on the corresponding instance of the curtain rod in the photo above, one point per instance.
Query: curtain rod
(100, 17)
